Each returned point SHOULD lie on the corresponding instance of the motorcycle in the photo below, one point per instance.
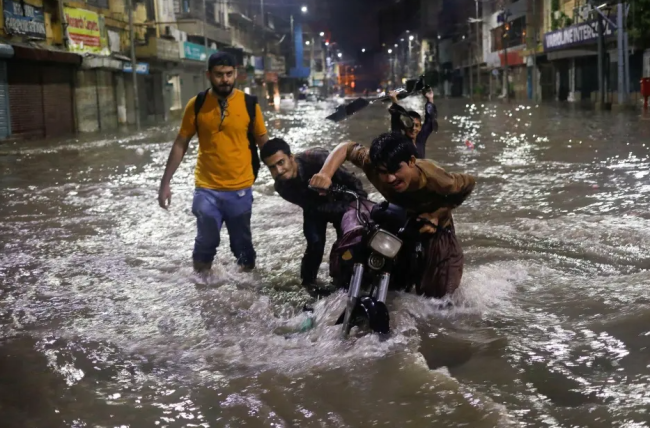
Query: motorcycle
(387, 252)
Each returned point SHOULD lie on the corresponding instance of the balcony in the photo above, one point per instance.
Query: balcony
(194, 27)
(166, 50)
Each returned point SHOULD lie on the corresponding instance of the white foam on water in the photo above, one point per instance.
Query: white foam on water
(487, 289)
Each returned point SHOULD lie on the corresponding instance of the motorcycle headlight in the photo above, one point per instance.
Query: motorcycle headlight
(385, 244)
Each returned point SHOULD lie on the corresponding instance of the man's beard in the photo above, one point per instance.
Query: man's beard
(222, 90)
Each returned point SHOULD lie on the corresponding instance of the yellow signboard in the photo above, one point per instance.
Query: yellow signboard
(84, 33)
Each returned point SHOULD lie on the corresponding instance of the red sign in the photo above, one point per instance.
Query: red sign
(514, 58)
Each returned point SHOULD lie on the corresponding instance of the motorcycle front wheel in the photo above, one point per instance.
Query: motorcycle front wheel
(368, 315)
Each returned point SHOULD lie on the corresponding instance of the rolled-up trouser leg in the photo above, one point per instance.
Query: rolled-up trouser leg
(208, 221)
(444, 262)
(237, 207)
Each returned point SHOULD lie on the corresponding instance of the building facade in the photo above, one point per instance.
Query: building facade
(65, 66)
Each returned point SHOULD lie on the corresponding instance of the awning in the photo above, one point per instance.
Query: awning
(97, 61)
(45, 54)
(238, 16)
(6, 51)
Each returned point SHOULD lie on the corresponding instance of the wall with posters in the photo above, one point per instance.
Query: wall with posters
(84, 32)
(23, 19)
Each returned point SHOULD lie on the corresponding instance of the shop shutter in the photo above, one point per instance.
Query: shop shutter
(25, 99)
(4, 102)
(106, 100)
(57, 100)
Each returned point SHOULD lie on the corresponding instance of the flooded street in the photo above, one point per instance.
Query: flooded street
(103, 324)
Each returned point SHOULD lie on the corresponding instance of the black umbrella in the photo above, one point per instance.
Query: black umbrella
(413, 86)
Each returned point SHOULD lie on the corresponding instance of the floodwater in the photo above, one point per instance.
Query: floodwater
(103, 324)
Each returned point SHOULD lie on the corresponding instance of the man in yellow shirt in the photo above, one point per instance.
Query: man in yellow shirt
(224, 171)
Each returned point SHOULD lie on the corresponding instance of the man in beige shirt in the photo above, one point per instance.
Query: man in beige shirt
(419, 186)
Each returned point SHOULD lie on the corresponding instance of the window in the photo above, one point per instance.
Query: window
(509, 35)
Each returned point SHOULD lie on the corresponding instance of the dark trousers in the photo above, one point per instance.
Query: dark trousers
(314, 227)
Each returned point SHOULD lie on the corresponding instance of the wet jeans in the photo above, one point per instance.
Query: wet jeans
(212, 208)
(315, 227)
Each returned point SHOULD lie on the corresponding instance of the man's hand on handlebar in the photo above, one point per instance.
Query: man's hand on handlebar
(430, 225)
(321, 183)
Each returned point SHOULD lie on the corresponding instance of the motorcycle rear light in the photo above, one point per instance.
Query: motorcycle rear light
(386, 244)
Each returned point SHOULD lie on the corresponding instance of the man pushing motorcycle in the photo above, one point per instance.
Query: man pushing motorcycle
(292, 173)
(419, 186)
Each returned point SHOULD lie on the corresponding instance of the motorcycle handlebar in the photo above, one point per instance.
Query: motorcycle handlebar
(335, 189)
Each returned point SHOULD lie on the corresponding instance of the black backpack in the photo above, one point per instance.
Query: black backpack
(251, 103)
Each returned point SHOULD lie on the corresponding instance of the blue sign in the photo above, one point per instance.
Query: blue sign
(580, 34)
(24, 19)
(142, 68)
(196, 52)
(259, 63)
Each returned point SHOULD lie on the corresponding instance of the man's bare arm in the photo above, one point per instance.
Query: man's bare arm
(323, 180)
(179, 148)
(261, 140)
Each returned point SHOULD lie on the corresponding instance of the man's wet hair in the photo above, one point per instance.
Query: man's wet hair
(273, 146)
(221, 59)
(390, 149)
(414, 115)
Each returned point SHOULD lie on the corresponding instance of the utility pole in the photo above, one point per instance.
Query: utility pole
(535, 30)
(311, 60)
(205, 34)
(621, 60)
(601, 61)
(326, 71)
(479, 55)
(134, 67)
(469, 66)
(505, 41)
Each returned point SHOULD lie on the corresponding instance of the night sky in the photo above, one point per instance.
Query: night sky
(354, 24)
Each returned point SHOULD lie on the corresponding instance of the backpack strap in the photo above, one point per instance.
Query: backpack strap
(251, 108)
(198, 103)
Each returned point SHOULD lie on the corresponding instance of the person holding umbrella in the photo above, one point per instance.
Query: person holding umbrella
(409, 122)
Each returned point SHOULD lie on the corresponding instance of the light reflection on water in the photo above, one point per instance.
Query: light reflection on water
(102, 322)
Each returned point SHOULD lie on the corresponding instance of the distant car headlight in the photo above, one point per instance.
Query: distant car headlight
(385, 244)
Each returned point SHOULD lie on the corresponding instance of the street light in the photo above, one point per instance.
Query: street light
(411, 38)
(340, 54)
(304, 9)
(395, 44)
(390, 51)
(322, 33)
(327, 43)
(363, 50)
(307, 42)
(401, 40)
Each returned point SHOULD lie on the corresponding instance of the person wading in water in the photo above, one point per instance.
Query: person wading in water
(229, 123)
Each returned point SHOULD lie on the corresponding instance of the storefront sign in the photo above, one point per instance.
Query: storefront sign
(584, 33)
(195, 51)
(142, 68)
(24, 19)
(84, 34)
